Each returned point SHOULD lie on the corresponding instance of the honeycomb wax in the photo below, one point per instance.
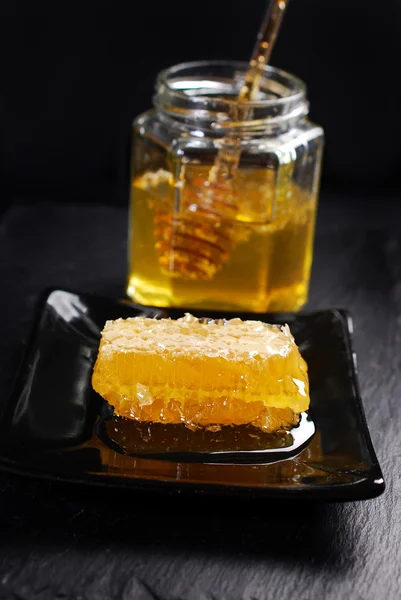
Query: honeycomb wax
(202, 373)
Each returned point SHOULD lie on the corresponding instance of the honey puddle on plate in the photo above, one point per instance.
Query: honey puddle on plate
(243, 443)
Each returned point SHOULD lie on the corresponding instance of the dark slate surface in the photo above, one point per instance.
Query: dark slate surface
(78, 543)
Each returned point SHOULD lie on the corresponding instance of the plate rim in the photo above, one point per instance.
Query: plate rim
(364, 489)
(369, 486)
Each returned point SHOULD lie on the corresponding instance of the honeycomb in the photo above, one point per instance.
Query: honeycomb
(203, 373)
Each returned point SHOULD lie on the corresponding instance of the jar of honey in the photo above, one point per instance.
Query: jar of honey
(223, 194)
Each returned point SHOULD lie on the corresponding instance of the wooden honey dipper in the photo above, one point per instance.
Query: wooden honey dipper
(195, 242)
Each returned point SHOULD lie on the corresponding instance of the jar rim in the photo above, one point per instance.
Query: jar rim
(299, 87)
(197, 89)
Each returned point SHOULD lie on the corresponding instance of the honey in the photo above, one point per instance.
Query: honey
(254, 254)
(202, 373)
(222, 212)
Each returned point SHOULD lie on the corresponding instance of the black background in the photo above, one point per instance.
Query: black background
(74, 74)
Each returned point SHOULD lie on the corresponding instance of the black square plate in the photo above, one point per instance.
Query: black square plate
(49, 428)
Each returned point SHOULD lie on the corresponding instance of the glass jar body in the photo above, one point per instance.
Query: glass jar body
(242, 241)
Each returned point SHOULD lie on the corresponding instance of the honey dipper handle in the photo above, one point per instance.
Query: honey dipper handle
(228, 157)
(185, 243)
(264, 45)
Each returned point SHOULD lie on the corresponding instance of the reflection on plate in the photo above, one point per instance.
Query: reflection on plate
(55, 426)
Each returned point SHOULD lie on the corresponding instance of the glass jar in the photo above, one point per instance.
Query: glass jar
(223, 195)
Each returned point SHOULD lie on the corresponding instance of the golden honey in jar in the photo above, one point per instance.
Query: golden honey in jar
(222, 211)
